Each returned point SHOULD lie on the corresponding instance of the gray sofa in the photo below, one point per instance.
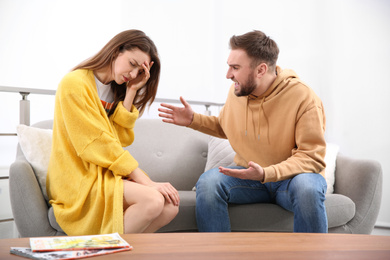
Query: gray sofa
(178, 155)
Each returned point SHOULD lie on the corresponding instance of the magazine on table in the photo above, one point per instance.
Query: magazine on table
(73, 254)
(72, 247)
(39, 244)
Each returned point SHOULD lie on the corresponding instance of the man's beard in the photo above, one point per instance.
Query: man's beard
(247, 88)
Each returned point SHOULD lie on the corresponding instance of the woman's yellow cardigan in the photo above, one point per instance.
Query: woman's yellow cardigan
(87, 162)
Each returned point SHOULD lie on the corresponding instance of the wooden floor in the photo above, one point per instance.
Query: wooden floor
(381, 231)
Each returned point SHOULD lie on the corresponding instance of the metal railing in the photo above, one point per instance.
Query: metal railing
(24, 104)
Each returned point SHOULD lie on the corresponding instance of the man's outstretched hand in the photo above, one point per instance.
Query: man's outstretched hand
(254, 172)
(182, 116)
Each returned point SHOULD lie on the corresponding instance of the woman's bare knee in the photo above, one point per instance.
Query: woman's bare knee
(167, 215)
(170, 211)
(154, 205)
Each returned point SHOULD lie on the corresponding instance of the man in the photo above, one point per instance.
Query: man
(275, 123)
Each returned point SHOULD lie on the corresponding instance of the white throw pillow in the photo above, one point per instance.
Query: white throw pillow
(36, 147)
(330, 160)
(220, 153)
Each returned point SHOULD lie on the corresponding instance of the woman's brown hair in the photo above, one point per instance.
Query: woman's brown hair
(126, 41)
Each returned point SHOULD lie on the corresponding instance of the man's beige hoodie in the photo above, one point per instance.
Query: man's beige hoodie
(281, 130)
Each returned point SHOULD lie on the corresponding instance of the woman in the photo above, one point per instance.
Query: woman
(94, 185)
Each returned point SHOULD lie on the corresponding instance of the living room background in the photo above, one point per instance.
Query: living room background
(339, 48)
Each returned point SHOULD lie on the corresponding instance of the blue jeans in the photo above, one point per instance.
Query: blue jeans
(304, 195)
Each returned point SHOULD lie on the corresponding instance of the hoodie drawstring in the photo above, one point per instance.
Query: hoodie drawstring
(246, 115)
(261, 109)
(266, 119)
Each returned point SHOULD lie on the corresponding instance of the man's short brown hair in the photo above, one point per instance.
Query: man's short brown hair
(258, 46)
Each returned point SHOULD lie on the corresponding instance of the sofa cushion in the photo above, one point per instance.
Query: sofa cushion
(35, 144)
(220, 153)
(53, 221)
(168, 153)
(258, 217)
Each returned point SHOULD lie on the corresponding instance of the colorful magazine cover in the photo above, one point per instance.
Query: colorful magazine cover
(42, 244)
(74, 254)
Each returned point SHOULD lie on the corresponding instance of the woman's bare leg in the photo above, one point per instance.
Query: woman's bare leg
(141, 206)
(167, 215)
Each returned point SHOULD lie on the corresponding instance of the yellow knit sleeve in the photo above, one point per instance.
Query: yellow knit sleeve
(89, 131)
(123, 122)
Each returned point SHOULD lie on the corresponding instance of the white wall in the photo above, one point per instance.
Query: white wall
(339, 47)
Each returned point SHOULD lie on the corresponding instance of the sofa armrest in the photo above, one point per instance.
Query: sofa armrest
(361, 181)
(28, 205)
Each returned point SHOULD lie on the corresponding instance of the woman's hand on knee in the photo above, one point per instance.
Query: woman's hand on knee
(170, 194)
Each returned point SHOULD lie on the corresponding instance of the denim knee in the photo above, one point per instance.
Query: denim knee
(209, 181)
(308, 189)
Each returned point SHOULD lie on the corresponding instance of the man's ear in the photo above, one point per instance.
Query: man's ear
(261, 70)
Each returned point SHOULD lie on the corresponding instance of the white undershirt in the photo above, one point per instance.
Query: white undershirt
(104, 91)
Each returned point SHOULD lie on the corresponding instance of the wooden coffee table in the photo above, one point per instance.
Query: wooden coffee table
(202, 246)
